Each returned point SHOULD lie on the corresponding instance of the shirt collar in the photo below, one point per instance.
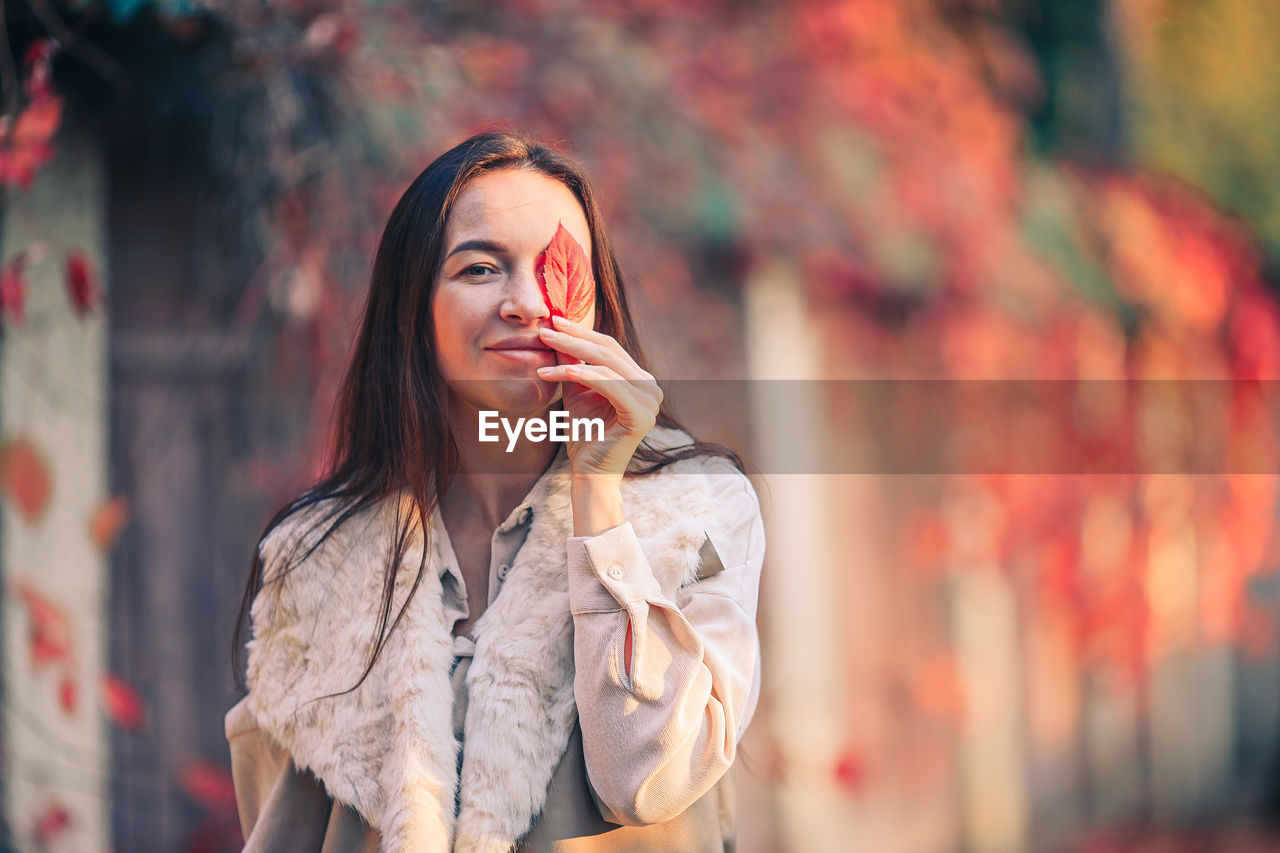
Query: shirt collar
(523, 512)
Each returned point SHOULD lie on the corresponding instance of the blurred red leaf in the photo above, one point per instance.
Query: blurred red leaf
(50, 629)
(331, 31)
(67, 693)
(25, 145)
(53, 821)
(24, 477)
(108, 519)
(13, 287)
(40, 50)
(81, 285)
(38, 60)
(210, 785)
(38, 122)
(851, 771)
(123, 704)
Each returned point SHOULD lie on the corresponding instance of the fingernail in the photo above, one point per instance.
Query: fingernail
(545, 331)
(556, 318)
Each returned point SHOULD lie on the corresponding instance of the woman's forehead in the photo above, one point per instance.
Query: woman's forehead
(517, 208)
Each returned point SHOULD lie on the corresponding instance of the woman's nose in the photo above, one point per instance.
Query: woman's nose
(523, 299)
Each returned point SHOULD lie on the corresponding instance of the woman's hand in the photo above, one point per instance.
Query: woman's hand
(609, 386)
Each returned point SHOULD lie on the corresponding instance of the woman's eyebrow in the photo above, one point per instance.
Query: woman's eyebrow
(478, 245)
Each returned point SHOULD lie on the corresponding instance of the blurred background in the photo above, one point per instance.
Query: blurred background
(844, 190)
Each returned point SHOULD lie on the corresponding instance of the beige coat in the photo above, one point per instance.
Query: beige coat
(560, 742)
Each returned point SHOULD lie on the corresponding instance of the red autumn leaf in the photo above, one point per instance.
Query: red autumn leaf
(67, 693)
(38, 122)
(209, 785)
(50, 629)
(851, 771)
(13, 286)
(24, 477)
(38, 60)
(53, 821)
(107, 521)
(40, 50)
(81, 286)
(123, 704)
(565, 277)
(26, 145)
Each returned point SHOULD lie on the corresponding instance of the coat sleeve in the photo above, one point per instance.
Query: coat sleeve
(660, 729)
(281, 807)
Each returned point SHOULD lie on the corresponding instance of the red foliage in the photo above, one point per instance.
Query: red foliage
(49, 633)
(67, 693)
(13, 287)
(81, 284)
(24, 478)
(107, 521)
(28, 143)
(123, 705)
(51, 824)
(38, 85)
(851, 771)
(210, 785)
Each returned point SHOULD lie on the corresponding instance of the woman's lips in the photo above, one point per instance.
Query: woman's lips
(528, 356)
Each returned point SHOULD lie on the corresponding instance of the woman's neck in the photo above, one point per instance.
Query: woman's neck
(491, 480)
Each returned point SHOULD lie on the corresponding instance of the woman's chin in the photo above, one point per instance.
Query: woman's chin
(516, 397)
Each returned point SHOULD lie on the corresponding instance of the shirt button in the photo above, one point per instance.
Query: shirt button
(502, 571)
(615, 571)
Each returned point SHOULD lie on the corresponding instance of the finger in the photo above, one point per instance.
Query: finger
(619, 362)
(606, 349)
(555, 372)
(589, 351)
(619, 392)
(573, 372)
(622, 365)
(643, 392)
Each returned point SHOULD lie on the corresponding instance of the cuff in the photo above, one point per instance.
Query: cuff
(609, 571)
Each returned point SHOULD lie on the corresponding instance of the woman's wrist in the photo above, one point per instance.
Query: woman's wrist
(597, 503)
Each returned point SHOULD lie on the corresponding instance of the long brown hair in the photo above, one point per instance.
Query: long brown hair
(390, 431)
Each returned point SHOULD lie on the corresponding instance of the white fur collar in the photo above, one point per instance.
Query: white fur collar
(388, 749)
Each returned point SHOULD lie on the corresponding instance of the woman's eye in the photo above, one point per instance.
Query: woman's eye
(484, 268)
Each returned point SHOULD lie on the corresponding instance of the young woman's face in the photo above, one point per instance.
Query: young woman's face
(487, 306)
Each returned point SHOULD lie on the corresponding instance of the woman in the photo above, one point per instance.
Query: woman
(478, 646)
